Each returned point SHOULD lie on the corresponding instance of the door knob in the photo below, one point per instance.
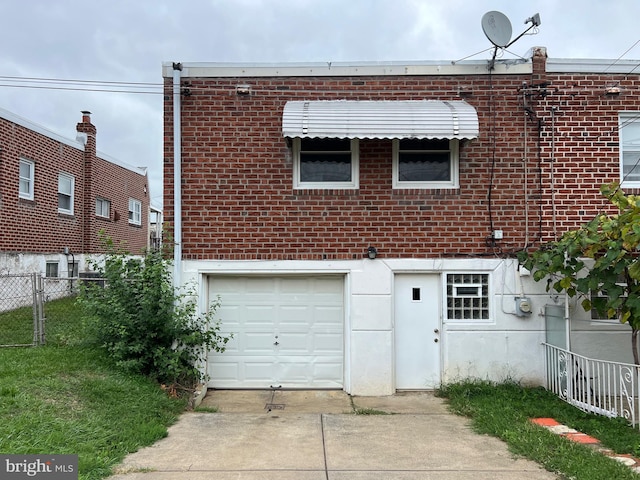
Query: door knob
(435, 330)
(276, 343)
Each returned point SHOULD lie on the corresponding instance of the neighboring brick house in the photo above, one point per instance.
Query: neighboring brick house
(359, 222)
(57, 194)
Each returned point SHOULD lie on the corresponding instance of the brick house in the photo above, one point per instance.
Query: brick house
(57, 194)
(359, 222)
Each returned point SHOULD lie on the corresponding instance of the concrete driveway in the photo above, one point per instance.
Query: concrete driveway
(315, 435)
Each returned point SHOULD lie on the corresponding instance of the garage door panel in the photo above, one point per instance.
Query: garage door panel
(306, 314)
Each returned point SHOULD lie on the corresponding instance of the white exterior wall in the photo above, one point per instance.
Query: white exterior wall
(505, 346)
(21, 263)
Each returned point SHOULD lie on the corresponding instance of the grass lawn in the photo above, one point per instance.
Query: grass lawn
(67, 398)
(504, 411)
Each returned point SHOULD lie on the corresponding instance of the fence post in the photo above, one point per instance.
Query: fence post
(41, 315)
(34, 303)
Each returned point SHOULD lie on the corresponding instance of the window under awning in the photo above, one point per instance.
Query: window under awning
(380, 119)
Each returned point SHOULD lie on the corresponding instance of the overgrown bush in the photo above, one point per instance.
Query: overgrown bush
(144, 324)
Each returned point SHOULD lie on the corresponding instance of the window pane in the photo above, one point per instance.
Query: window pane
(468, 296)
(25, 170)
(64, 201)
(52, 269)
(424, 167)
(25, 188)
(325, 167)
(135, 212)
(325, 160)
(103, 207)
(64, 185)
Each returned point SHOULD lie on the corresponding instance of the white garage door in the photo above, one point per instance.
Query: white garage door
(288, 332)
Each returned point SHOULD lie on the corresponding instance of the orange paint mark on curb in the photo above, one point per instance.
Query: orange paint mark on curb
(582, 438)
(545, 422)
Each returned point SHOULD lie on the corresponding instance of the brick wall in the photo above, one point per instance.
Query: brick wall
(36, 226)
(238, 197)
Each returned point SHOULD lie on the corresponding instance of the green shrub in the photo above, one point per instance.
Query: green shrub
(144, 324)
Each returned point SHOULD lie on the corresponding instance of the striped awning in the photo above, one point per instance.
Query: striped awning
(380, 119)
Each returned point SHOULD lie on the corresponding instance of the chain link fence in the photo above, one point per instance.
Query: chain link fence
(30, 302)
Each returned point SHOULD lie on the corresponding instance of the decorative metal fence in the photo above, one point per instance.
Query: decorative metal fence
(596, 386)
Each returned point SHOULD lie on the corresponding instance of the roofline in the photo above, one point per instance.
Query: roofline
(594, 65)
(28, 124)
(342, 69)
(436, 67)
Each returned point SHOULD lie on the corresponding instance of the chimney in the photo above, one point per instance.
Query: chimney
(539, 61)
(87, 136)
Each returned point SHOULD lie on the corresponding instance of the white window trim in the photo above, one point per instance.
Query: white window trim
(468, 321)
(454, 148)
(32, 167)
(625, 118)
(137, 212)
(352, 185)
(72, 195)
(102, 202)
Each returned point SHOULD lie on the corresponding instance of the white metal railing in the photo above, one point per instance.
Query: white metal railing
(595, 386)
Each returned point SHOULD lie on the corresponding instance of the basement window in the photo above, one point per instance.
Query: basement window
(468, 296)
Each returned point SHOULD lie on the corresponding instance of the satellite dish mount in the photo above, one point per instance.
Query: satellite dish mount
(497, 28)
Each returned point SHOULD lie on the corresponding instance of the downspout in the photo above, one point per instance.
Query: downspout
(177, 180)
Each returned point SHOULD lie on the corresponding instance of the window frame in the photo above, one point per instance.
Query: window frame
(48, 266)
(454, 167)
(103, 201)
(354, 184)
(626, 118)
(132, 218)
(31, 180)
(71, 194)
(478, 302)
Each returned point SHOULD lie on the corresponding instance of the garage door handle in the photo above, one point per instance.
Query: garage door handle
(276, 343)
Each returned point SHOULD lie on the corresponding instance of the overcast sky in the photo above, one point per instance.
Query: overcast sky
(127, 41)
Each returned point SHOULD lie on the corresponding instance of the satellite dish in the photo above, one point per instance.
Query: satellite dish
(497, 27)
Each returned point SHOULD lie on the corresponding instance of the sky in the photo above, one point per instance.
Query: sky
(107, 45)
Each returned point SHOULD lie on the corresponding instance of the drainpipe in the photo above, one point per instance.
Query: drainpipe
(177, 180)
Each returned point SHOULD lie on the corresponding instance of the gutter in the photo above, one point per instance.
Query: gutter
(177, 184)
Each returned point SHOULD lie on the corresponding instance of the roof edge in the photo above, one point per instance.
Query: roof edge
(30, 125)
(338, 69)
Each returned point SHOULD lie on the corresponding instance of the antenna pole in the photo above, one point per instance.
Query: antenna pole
(492, 62)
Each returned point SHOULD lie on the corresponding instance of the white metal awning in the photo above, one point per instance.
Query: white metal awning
(380, 119)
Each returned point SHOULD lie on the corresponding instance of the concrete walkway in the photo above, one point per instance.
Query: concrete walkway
(314, 435)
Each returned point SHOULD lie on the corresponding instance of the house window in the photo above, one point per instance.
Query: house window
(600, 298)
(103, 208)
(425, 163)
(629, 149)
(325, 163)
(468, 296)
(51, 270)
(65, 193)
(27, 170)
(135, 212)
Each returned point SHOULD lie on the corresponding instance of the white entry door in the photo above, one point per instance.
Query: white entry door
(288, 331)
(417, 331)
